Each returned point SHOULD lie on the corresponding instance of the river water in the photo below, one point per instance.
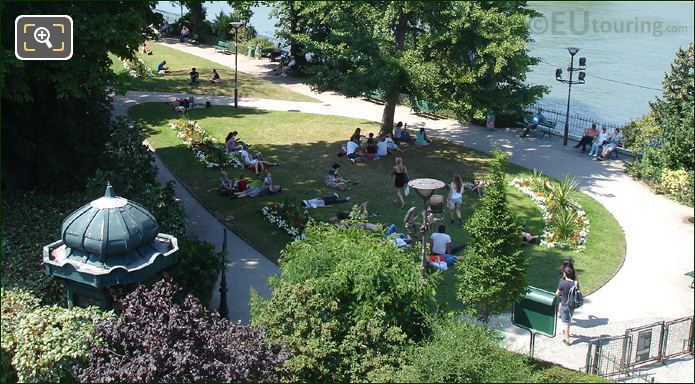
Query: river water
(629, 46)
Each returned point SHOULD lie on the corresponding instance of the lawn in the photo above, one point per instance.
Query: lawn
(178, 81)
(306, 146)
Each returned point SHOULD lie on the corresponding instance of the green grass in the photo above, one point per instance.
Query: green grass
(306, 146)
(178, 80)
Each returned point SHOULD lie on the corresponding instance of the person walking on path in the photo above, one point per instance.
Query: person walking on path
(455, 197)
(401, 173)
(563, 288)
(184, 33)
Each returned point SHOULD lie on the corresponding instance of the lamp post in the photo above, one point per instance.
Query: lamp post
(236, 25)
(580, 80)
(425, 189)
(223, 310)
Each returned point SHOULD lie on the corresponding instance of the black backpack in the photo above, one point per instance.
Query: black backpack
(575, 299)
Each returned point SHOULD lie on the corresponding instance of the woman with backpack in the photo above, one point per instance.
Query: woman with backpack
(566, 307)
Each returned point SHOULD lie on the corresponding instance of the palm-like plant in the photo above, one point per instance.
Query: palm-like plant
(561, 195)
(536, 180)
(565, 223)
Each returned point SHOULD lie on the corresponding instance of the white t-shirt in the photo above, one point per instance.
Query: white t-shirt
(382, 148)
(602, 137)
(246, 158)
(439, 241)
(454, 194)
(351, 147)
(314, 203)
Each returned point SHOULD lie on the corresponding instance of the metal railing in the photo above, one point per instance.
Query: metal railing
(620, 355)
(577, 123)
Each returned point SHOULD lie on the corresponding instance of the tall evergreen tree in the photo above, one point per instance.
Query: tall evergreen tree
(492, 274)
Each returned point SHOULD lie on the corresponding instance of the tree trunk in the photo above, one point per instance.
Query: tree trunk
(395, 90)
(196, 9)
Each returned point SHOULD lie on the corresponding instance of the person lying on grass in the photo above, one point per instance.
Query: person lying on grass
(260, 191)
(324, 202)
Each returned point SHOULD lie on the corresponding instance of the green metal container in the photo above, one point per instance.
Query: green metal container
(537, 311)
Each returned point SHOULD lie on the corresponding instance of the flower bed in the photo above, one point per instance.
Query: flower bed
(287, 216)
(137, 68)
(566, 227)
(206, 148)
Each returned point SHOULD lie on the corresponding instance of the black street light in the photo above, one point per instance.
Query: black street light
(223, 310)
(425, 188)
(580, 80)
(236, 25)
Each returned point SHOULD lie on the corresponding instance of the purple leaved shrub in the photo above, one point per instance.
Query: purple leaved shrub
(157, 339)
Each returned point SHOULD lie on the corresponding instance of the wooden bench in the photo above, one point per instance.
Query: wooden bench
(425, 107)
(546, 127)
(224, 47)
(376, 95)
(193, 38)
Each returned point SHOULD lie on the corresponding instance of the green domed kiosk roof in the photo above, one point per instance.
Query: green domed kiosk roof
(110, 241)
(109, 226)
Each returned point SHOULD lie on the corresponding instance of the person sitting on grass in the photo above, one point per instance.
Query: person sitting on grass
(231, 142)
(260, 191)
(226, 184)
(215, 77)
(194, 76)
(161, 69)
(335, 180)
(401, 133)
(257, 164)
(442, 256)
(353, 151)
(421, 138)
(371, 148)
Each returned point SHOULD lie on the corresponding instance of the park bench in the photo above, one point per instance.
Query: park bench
(376, 95)
(224, 47)
(193, 38)
(546, 127)
(425, 107)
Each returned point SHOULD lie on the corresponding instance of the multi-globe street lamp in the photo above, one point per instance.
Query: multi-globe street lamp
(425, 188)
(580, 80)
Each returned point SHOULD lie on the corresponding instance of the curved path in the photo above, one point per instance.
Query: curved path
(651, 285)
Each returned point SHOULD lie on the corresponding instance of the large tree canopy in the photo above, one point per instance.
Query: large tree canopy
(469, 57)
(55, 114)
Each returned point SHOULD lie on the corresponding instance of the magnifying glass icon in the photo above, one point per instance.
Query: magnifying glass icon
(42, 36)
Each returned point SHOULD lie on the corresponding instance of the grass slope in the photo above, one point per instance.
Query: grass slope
(306, 146)
(178, 80)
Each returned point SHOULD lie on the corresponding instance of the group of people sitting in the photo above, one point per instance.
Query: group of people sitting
(602, 142)
(375, 148)
(193, 74)
(401, 135)
(186, 104)
(287, 65)
(254, 162)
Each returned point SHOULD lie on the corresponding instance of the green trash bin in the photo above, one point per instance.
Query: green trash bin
(537, 311)
(249, 51)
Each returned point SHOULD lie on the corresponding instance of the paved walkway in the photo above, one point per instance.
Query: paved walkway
(651, 285)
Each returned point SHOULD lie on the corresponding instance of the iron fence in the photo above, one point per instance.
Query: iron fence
(606, 356)
(645, 343)
(678, 338)
(577, 123)
(618, 356)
